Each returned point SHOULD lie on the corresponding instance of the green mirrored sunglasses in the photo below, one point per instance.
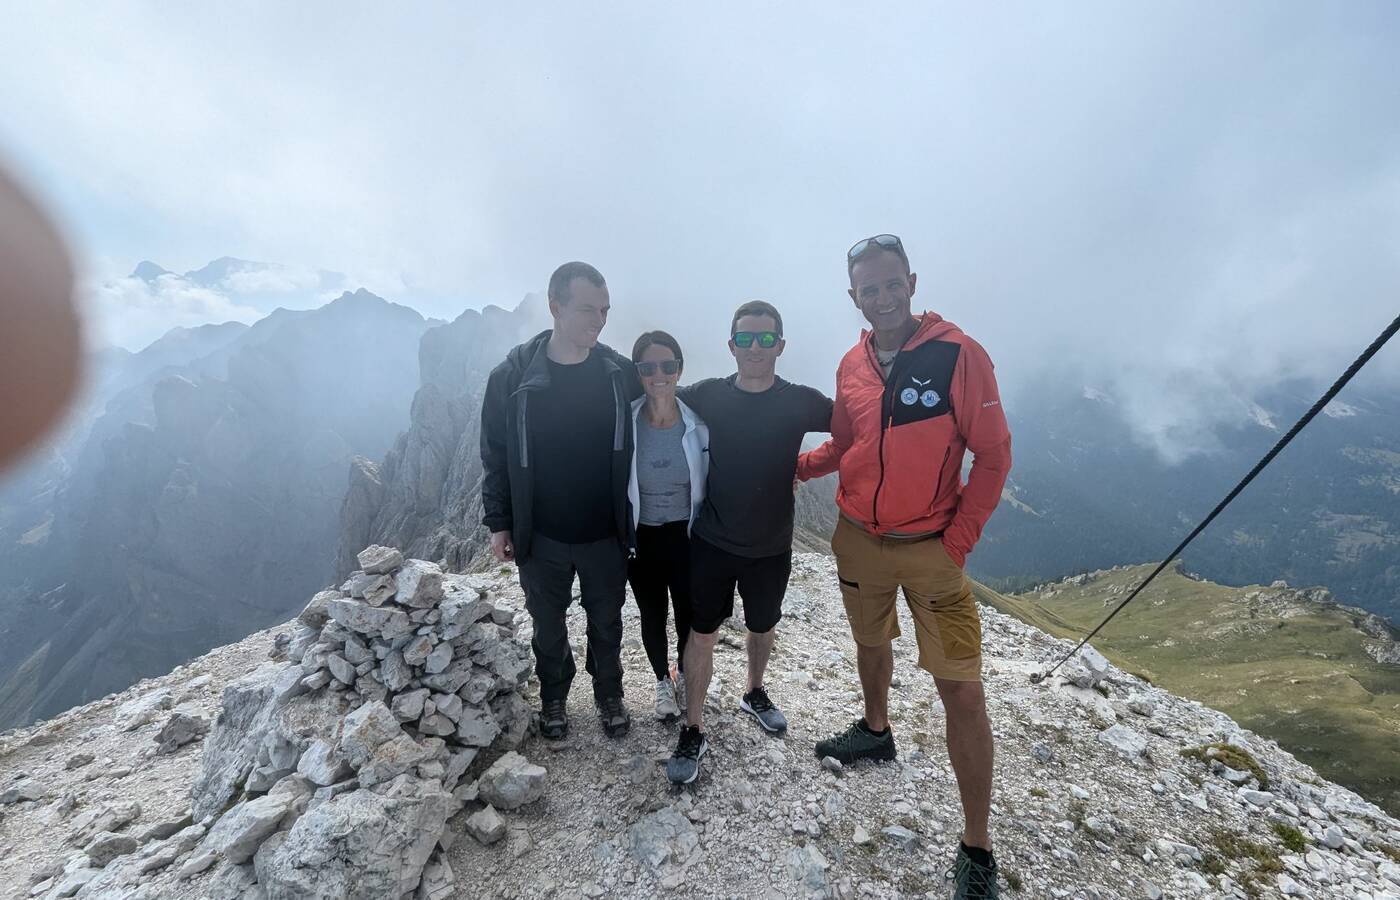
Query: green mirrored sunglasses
(766, 339)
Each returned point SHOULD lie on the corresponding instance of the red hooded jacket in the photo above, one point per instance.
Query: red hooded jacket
(899, 444)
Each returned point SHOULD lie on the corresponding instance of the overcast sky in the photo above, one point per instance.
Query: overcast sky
(1180, 198)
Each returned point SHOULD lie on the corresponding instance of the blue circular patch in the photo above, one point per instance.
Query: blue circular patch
(908, 396)
(930, 399)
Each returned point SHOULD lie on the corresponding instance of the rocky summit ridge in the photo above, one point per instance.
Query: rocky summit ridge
(386, 750)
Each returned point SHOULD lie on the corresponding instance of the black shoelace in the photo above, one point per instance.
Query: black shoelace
(691, 739)
(758, 699)
(979, 880)
(847, 738)
(554, 711)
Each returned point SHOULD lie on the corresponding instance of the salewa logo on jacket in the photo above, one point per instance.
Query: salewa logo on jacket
(899, 442)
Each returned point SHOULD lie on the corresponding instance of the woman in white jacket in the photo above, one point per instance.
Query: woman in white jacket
(666, 489)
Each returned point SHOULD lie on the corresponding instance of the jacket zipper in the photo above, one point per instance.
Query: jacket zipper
(619, 418)
(887, 422)
(523, 430)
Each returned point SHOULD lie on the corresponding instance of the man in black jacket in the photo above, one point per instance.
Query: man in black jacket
(556, 449)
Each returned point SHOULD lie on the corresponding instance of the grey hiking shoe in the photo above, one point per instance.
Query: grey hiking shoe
(858, 742)
(666, 708)
(971, 879)
(554, 721)
(684, 764)
(757, 704)
(612, 712)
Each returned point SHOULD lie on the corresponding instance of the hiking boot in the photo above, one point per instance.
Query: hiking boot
(972, 879)
(684, 764)
(666, 708)
(757, 704)
(858, 742)
(612, 712)
(554, 721)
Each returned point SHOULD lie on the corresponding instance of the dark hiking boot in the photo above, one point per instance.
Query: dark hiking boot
(554, 721)
(684, 764)
(757, 704)
(612, 712)
(856, 743)
(974, 874)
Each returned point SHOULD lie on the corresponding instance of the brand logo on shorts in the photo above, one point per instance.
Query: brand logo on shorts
(908, 396)
(930, 398)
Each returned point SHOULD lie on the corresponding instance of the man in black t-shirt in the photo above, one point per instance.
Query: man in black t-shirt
(556, 454)
(742, 537)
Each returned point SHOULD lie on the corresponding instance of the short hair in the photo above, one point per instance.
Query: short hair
(563, 279)
(757, 308)
(656, 337)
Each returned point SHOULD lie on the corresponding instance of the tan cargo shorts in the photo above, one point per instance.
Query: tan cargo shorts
(872, 570)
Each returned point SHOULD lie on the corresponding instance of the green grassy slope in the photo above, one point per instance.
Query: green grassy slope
(1284, 665)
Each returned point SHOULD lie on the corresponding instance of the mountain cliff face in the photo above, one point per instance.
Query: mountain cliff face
(204, 503)
(423, 496)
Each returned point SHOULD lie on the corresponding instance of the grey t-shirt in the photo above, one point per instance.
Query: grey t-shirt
(663, 475)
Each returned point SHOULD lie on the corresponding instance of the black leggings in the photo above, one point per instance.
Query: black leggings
(662, 562)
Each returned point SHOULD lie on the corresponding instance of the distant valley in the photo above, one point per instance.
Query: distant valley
(1320, 678)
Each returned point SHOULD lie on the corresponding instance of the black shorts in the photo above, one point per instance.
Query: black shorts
(715, 573)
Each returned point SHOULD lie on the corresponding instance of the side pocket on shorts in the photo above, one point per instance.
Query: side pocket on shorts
(850, 598)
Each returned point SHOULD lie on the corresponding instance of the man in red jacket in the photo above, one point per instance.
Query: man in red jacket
(911, 396)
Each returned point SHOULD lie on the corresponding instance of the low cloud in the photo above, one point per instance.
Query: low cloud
(1182, 204)
(131, 313)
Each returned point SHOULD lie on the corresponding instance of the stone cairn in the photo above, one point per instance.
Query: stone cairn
(332, 774)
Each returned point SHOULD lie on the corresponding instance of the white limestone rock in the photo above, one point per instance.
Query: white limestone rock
(512, 781)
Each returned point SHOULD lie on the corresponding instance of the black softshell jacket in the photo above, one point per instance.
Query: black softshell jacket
(507, 484)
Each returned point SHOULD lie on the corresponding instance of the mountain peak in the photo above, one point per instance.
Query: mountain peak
(148, 271)
(221, 268)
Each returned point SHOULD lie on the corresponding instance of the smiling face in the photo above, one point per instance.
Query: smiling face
(755, 361)
(660, 387)
(581, 318)
(882, 288)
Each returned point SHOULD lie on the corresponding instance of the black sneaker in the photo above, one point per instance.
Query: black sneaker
(614, 716)
(757, 704)
(858, 742)
(973, 879)
(684, 764)
(554, 721)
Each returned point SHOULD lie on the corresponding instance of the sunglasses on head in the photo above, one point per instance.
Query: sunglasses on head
(884, 241)
(667, 366)
(766, 339)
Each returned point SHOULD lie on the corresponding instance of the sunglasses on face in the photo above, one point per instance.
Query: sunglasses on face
(667, 366)
(885, 241)
(766, 339)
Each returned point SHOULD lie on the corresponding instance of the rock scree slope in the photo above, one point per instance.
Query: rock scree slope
(386, 750)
